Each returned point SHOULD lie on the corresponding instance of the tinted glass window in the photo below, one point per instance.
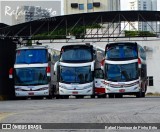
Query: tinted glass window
(29, 56)
(81, 6)
(99, 74)
(121, 72)
(89, 6)
(142, 53)
(30, 76)
(76, 55)
(75, 74)
(121, 52)
(55, 56)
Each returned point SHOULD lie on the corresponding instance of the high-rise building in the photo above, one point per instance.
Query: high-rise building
(29, 13)
(84, 6)
(145, 5)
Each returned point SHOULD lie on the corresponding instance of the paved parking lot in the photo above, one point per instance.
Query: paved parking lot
(117, 110)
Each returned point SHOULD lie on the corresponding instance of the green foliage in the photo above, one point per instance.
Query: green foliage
(78, 32)
(29, 43)
(139, 34)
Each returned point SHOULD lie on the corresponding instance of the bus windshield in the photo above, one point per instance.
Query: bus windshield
(75, 74)
(76, 55)
(30, 56)
(30, 76)
(121, 72)
(121, 52)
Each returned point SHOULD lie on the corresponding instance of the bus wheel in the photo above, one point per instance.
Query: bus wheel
(92, 96)
(118, 96)
(139, 94)
(49, 97)
(58, 97)
(65, 97)
(101, 96)
(104, 96)
(79, 97)
(37, 97)
(143, 94)
(111, 95)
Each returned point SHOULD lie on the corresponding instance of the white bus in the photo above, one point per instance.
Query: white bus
(125, 70)
(32, 72)
(75, 71)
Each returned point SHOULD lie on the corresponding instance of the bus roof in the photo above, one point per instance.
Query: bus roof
(121, 43)
(32, 47)
(77, 45)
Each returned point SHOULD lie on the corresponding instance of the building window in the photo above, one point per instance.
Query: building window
(150, 80)
(96, 4)
(74, 5)
(81, 6)
(89, 6)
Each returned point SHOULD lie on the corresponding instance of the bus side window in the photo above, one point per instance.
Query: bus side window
(99, 74)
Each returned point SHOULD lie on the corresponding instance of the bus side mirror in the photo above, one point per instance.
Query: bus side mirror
(102, 64)
(102, 68)
(92, 66)
(56, 66)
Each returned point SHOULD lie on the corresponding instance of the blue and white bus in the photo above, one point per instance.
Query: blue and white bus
(125, 70)
(32, 72)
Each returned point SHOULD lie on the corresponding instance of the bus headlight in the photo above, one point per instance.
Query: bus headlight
(88, 86)
(62, 86)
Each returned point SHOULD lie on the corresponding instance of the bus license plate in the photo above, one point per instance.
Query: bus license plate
(122, 90)
(74, 92)
(30, 93)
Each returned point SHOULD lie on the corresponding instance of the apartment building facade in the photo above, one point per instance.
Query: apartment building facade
(145, 5)
(85, 6)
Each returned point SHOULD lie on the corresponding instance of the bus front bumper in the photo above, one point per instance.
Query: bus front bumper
(31, 93)
(76, 89)
(124, 90)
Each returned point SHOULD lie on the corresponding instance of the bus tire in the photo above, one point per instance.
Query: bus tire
(58, 97)
(92, 96)
(65, 96)
(139, 94)
(101, 96)
(104, 96)
(79, 97)
(49, 97)
(118, 96)
(143, 94)
(111, 95)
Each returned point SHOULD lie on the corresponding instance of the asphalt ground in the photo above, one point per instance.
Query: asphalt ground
(124, 110)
